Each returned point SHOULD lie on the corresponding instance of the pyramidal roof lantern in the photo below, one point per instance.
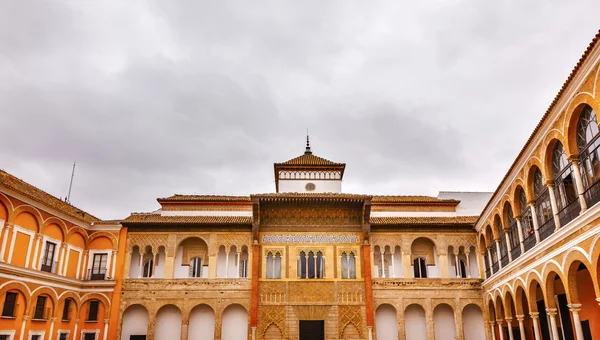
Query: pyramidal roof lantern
(308, 151)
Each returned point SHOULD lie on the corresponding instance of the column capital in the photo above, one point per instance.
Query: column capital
(53, 320)
(598, 299)
(25, 317)
(549, 183)
(39, 237)
(76, 321)
(508, 320)
(86, 252)
(551, 311)
(573, 159)
(114, 252)
(106, 321)
(534, 315)
(492, 323)
(520, 317)
(574, 307)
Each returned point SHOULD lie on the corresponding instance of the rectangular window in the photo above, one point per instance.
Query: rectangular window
(48, 264)
(4, 337)
(36, 337)
(10, 304)
(93, 312)
(89, 336)
(66, 308)
(99, 266)
(63, 336)
(39, 308)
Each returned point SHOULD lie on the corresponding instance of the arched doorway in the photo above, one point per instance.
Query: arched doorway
(202, 323)
(134, 323)
(473, 327)
(235, 323)
(443, 322)
(415, 322)
(583, 300)
(168, 323)
(386, 323)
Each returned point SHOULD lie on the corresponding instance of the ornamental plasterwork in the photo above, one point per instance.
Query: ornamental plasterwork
(272, 315)
(303, 216)
(143, 239)
(310, 239)
(349, 315)
(237, 240)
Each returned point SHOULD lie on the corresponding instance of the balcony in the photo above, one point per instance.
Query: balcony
(569, 212)
(504, 260)
(592, 194)
(515, 252)
(96, 274)
(529, 241)
(488, 272)
(547, 229)
(49, 266)
(495, 267)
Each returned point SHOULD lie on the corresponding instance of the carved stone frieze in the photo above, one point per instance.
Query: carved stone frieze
(349, 315)
(314, 292)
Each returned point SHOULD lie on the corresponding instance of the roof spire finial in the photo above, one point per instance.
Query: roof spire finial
(307, 144)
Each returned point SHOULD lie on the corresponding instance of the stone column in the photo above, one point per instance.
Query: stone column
(468, 264)
(457, 266)
(151, 327)
(5, 240)
(553, 325)
(237, 275)
(493, 329)
(498, 254)
(536, 325)
(38, 240)
(458, 322)
(154, 262)
(521, 318)
(490, 260)
(575, 308)
(578, 181)
(370, 332)
(508, 246)
(254, 333)
(520, 230)
(105, 337)
(382, 264)
(536, 226)
(52, 321)
(184, 329)
(141, 264)
(393, 275)
(509, 326)
(75, 329)
(227, 263)
(550, 185)
(500, 331)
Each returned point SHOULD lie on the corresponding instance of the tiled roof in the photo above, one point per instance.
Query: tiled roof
(107, 222)
(567, 82)
(412, 199)
(205, 198)
(427, 220)
(309, 159)
(152, 218)
(292, 196)
(9, 181)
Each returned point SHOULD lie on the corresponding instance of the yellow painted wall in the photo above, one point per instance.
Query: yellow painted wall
(27, 220)
(72, 265)
(20, 249)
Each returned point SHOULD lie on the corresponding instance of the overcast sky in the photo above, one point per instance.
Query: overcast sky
(162, 97)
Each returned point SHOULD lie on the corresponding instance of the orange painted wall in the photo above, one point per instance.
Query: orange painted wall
(54, 231)
(114, 312)
(77, 240)
(26, 220)
(72, 265)
(3, 212)
(20, 249)
(101, 243)
(7, 323)
(87, 325)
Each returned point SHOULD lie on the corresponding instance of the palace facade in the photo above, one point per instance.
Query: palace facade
(311, 262)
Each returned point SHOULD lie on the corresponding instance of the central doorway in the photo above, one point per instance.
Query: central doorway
(312, 330)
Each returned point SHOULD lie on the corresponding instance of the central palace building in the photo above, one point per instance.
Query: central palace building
(310, 262)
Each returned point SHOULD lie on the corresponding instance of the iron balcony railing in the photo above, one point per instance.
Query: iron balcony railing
(504, 260)
(495, 267)
(515, 252)
(529, 241)
(547, 229)
(488, 273)
(592, 194)
(49, 266)
(96, 274)
(569, 212)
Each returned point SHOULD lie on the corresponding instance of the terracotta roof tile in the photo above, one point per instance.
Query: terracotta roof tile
(567, 82)
(309, 159)
(426, 220)
(315, 197)
(412, 199)
(9, 181)
(158, 219)
(205, 198)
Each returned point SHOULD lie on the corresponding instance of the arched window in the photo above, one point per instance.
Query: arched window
(311, 266)
(564, 182)
(543, 208)
(526, 222)
(196, 267)
(513, 233)
(462, 269)
(273, 265)
(419, 267)
(588, 145)
(502, 242)
(348, 266)
(243, 263)
(148, 268)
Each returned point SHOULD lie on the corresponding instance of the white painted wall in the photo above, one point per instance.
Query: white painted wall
(434, 271)
(221, 257)
(202, 323)
(473, 323)
(134, 266)
(159, 269)
(235, 323)
(415, 323)
(398, 263)
(168, 323)
(298, 185)
(386, 323)
(135, 322)
(443, 323)
(179, 270)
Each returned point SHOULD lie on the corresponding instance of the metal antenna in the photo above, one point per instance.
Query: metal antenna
(68, 199)
(308, 151)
